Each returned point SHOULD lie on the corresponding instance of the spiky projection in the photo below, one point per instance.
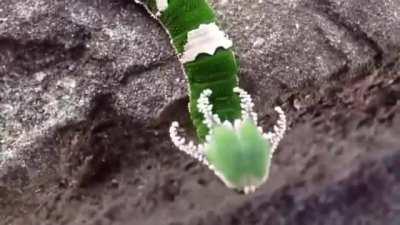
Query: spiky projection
(239, 153)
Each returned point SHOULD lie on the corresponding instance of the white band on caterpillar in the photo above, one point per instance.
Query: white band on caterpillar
(161, 5)
(205, 39)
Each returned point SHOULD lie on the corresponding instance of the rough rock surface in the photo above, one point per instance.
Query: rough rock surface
(88, 88)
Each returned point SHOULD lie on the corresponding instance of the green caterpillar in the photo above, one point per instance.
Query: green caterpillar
(231, 143)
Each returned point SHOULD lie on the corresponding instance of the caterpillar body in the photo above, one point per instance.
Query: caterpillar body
(231, 144)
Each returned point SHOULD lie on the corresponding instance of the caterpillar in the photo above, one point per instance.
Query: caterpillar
(231, 143)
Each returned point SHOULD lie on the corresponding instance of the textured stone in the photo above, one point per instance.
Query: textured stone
(82, 81)
(57, 56)
(375, 22)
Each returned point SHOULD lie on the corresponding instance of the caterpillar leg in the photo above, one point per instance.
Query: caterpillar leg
(205, 107)
(195, 151)
(278, 131)
(246, 104)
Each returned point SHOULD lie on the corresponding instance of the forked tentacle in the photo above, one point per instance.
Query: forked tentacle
(205, 107)
(189, 148)
(278, 131)
(246, 105)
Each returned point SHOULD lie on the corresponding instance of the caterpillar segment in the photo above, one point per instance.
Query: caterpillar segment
(205, 53)
(231, 144)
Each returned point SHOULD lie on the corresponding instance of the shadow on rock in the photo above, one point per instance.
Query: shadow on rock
(91, 150)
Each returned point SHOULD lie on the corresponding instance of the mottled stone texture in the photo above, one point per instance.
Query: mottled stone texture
(88, 86)
(57, 56)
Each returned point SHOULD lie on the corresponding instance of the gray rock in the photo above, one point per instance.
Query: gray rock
(302, 45)
(375, 22)
(58, 58)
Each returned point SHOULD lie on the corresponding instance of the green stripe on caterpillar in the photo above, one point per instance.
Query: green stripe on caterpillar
(231, 144)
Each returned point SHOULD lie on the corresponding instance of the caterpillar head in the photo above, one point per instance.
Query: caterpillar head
(239, 153)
